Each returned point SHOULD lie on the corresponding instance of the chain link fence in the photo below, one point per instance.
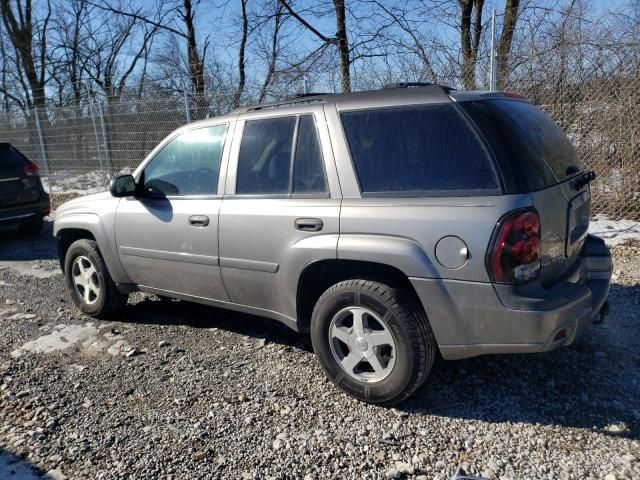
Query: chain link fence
(79, 148)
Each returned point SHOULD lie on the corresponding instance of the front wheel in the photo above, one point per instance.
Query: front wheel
(373, 340)
(88, 280)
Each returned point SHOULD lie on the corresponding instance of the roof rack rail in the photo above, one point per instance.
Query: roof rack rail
(407, 85)
(392, 86)
(284, 103)
(310, 94)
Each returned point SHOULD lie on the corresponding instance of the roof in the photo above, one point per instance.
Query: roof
(420, 92)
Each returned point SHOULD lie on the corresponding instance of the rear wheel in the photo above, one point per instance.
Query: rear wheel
(31, 227)
(88, 280)
(373, 340)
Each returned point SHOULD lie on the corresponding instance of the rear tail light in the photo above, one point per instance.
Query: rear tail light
(514, 256)
(31, 169)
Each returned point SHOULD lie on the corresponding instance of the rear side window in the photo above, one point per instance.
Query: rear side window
(11, 161)
(308, 172)
(265, 156)
(417, 149)
(267, 150)
(525, 140)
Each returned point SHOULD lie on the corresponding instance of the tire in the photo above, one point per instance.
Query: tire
(31, 227)
(84, 255)
(390, 374)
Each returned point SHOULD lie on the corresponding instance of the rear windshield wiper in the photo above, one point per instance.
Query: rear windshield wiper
(584, 179)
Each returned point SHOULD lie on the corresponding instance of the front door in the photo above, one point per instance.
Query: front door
(281, 207)
(167, 237)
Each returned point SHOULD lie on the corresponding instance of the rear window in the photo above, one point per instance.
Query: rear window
(411, 150)
(11, 161)
(526, 141)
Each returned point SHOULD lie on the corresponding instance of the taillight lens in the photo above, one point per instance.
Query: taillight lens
(31, 169)
(515, 252)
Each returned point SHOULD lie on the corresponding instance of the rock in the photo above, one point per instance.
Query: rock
(261, 343)
(488, 473)
(133, 352)
(440, 464)
(55, 458)
(198, 456)
(610, 476)
(629, 458)
(405, 468)
(278, 444)
(399, 413)
(380, 455)
(391, 474)
(616, 428)
(55, 474)
(163, 343)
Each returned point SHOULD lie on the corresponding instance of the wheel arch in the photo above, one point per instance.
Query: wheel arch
(73, 227)
(320, 275)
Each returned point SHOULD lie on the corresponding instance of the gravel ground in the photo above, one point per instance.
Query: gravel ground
(177, 390)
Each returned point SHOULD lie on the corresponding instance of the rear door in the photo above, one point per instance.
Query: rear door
(537, 157)
(281, 193)
(167, 237)
(17, 185)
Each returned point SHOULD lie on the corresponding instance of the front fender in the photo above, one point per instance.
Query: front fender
(92, 223)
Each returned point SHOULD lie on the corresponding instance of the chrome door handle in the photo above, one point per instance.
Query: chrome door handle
(309, 224)
(199, 220)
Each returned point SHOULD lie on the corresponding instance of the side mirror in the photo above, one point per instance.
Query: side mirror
(123, 186)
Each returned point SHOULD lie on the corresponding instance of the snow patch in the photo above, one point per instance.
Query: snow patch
(614, 231)
(62, 337)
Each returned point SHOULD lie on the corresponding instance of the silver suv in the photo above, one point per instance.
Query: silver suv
(391, 225)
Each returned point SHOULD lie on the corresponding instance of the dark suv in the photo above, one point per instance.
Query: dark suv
(23, 201)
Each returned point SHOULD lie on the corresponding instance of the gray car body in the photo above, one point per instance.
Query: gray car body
(251, 258)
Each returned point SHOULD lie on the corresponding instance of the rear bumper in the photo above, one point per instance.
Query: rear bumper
(472, 318)
(17, 214)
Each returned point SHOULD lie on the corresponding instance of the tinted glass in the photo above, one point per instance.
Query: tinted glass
(265, 156)
(187, 165)
(417, 149)
(11, 162)
(525, 138)
(308, 171)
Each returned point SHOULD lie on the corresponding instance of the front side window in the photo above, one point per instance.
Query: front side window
(410, 150)
(187, 165)
(267, 151)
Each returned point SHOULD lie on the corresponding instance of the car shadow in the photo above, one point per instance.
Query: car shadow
(17, 247)
(591, 384)
(164, 311)
(15, 468)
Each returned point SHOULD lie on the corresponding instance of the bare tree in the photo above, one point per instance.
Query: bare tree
(184, 10)
(339, 40)
(470, 39)
(111, 56)
(503, 49)
(242, 78)
(22, 30)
